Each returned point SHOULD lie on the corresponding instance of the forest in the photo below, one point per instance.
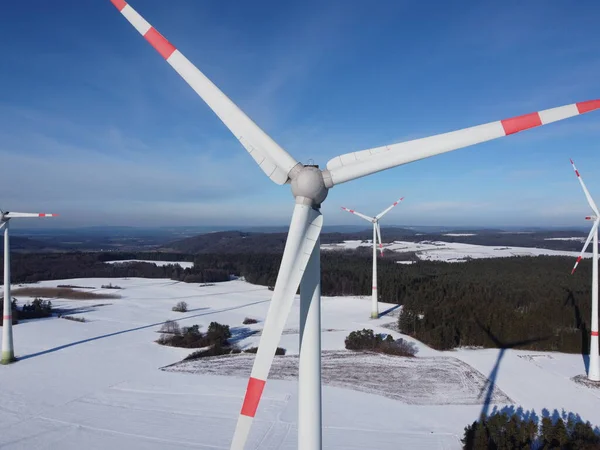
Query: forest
(525, 302)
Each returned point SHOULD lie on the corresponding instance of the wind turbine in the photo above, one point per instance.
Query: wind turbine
(310, 185)
(8, 351)
(594, 369)
(376, 234)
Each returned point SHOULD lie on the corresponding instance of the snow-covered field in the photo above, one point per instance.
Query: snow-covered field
(453, 251)
(183, 264)
(99, 384)
(573, 238)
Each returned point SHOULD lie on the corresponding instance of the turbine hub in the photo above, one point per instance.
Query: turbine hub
(309, 183)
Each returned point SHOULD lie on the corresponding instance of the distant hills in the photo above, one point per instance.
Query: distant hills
(246, 242)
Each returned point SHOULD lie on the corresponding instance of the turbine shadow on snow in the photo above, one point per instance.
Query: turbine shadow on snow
(129, 330)
(491, 381)
(581, 325)
(388, 311)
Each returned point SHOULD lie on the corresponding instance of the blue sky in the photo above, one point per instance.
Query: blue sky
(95, 126)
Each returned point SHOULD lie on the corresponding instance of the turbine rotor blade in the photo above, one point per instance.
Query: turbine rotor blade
(274, 161)
(385, 211)
(587, 242)
(585, 191)
(12, 215)
(379, 237)
(303, 234)
(356, 213)
(359, 164)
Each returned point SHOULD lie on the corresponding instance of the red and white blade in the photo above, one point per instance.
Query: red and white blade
(385, 211)
(12, 215)
(304, 232)
(585, 190)
(356, 213)
(379, 237)
(359, 164)
(587, 242)
(275, 162)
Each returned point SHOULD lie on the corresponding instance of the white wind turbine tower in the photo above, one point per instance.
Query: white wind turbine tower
(594, 369)
(376, 235)
(8, 351)
(310, 185)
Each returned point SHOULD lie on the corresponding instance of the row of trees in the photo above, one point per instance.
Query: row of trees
(524, 430)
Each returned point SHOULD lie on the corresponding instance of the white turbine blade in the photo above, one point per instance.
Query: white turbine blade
(585, 191)
(359, 164)
(356, 213)
(587, 242)
(272, 159)
(12, 215)
(385, 211)
(379, 238)
(302, 237)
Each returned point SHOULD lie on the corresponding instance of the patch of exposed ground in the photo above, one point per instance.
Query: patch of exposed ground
(66, 293)
(439, 380)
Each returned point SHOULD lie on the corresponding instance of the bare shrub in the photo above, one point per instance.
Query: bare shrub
(249, 321)
(170, 327)
(111, 286)
(73, 318)
(180, 307)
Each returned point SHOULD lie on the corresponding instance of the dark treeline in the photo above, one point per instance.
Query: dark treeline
(527, 302)
(27, 268)
(530, 302)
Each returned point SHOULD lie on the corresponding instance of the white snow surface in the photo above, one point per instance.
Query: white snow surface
(183, 264)
(454, 251)
(98, 384)
(573, 238)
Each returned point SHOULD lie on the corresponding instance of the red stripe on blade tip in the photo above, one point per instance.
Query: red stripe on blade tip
(160, 44)
(594, 333)
(253, 394)
(590, 105)
(6, 317)
(577, 172)
(119, 4)
(520, 123)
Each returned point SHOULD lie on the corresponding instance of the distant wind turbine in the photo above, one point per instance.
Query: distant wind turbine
(300, 263)
(8, 351)
(594, 369)
(376, 235)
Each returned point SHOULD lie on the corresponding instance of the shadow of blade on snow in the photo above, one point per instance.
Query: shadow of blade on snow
(129, 330)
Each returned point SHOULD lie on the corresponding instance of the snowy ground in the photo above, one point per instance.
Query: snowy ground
(98, 384)
(453, 251)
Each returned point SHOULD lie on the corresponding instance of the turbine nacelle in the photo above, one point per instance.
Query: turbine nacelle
(308, 182)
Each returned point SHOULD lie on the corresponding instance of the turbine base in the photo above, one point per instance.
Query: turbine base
(7, 358)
